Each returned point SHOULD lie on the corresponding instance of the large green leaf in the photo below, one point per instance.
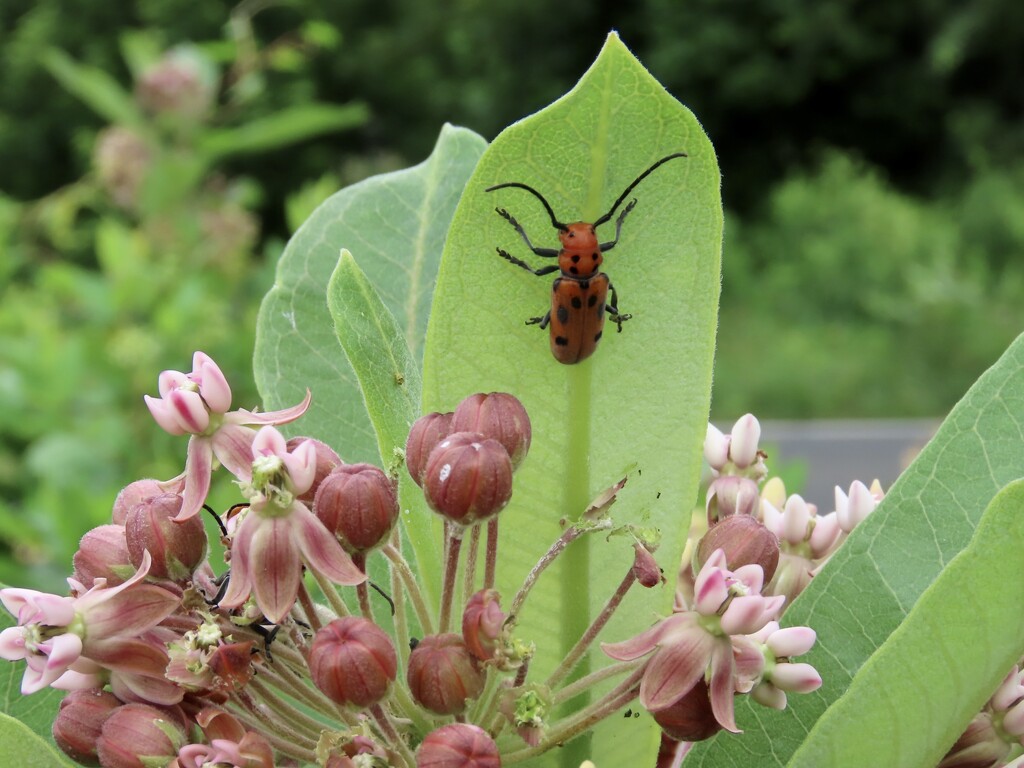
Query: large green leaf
(23, 747)
(868, 588)
(395, 225)
(641, 401)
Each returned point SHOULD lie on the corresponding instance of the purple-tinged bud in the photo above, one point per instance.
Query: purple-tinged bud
(426, 433)
(103, 554)
(468, 478)
(79, 722)
(482, 622)
(138, 735)
(443, 675)
(353, 661)
(645, 567)
(746, 433)
(177, 549)
(745, 541)
(326, 462)
(358, 504)
(499, 416)
(716, 448)
(690, 718)
(460, 745)
(732, 495)
(132, 494)
(182, 84)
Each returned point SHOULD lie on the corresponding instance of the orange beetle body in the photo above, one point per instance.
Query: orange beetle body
(579, 295)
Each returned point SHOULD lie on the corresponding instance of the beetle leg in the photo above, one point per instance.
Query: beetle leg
(546, 252)
(612, 308)
(541, 321)
(539, 272)
(618, 227)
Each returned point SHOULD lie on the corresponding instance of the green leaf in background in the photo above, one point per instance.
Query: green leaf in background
(870, 585)
(911, 700)
(280, 129)
(640, 402)
(396, 225)
(100, 92)
(22, 747)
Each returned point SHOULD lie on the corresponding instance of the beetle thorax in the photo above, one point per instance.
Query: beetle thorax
(581, 253)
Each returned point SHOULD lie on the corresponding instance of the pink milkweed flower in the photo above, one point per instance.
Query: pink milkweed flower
(66, 641)
(693, 644)
(779, 674)
(278, 533)
(197, 404)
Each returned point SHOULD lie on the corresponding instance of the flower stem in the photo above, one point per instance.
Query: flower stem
(469, 574)
(412, 588)
(308, 608)
(570, 660)
(337, 604)
(491, 561)
(451, 567)
(363, 590)
(593, 679)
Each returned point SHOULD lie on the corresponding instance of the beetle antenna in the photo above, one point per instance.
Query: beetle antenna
(632, 186)
(554, 222)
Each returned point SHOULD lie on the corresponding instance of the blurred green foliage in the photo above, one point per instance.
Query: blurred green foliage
(871, 156)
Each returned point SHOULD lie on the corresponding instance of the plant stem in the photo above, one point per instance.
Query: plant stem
(491, 561)
(593, 679)
(569, 662)
(412, 588)
(453, 539)
(469, 574)
(308, 608)
(363, 590)
(337, 604)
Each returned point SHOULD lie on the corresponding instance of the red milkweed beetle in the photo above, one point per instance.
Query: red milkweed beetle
(579, 295)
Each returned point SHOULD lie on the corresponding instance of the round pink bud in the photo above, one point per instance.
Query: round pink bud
(177, 549)
(460, 745)
(645, 567)
(482, 622)
(426, 433)
(131, 495)
(326, 462)
(103, 554)
(499, 416)
(357, 503)
(443, 675)
(79, 722)
(732, 495)
(690, 718)
(353, 661)
(468, 478)
(745, 541)
(138, 735)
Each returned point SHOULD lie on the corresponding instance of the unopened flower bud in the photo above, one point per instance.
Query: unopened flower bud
(357, 503)
(443, 675)
(482, 622)
(468, 478)
(745, 541)
(177, 549)
(645, 567)
(460, 745)
(690, 718)
(182, 84)
(732, 495)
(103, 554)
(121, 159)
(79, 722)
(137, 735)
(426, 433)
(326, 461)
(132, 494)
(499, 416)
(353, 661)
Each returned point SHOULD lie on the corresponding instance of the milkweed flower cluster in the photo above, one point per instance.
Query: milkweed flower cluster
(169, 663)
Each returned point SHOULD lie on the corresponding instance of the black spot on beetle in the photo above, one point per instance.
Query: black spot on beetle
(562, 314)
(561, 341)
(576, 303)
(576, 259)
(595, 255)
(584, 285)
(574, 270)
(597, 336)
(592, 300)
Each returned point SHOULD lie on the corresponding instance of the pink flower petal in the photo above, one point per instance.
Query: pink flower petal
(42, 670)
(12, 644)
(198, 472)
(129, 612)
(321, 550)
(746, 433)
(145, 688)
(164, 415)
(30, 606)
(751, 576)
(232, 444)
(800, 678)
(675, 668)
(240, 579)
(795, 518)
(242, 416)
(711, 590)
(791, 641)
(716, 447)
(212, 384)
(301, 465)
(269, 442)
(745, 615)
(79, 681)
(168, 381)
(189, 409)
(276, 582)
(721, 687)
